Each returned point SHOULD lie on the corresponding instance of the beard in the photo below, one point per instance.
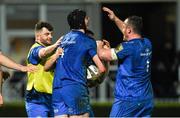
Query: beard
(47, 42)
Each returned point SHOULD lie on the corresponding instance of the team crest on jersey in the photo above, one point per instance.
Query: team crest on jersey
(119, 48)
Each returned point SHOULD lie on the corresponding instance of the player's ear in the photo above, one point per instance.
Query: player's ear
(129, 30)
(38, 37)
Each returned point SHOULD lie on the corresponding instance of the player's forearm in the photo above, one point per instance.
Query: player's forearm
(5, 61)
(119, 23)
(104, 54)
(99, 64)
(47, 50)
(50, 64)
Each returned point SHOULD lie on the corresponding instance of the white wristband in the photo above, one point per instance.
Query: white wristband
(113, 54)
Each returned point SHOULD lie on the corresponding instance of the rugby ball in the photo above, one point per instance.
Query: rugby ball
(92, 72)
(94, 78)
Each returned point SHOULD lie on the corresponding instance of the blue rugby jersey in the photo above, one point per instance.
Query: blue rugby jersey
(33, 57)
(71, 66)
(134, 73)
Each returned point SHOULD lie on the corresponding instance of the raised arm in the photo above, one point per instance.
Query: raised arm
(120, 24)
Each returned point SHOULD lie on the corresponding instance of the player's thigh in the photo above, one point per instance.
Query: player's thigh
(60, 109)
(123, 108)
(147, 108)
(117, 109)
(36, 110)
(76, 98)
(131, 108)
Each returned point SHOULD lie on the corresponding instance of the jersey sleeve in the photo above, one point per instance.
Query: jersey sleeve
(123, 50)
(33, 57)
(92, 49)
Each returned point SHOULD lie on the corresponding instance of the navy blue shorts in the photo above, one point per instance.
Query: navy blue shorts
(132, 108)
(59, 106)
(39, 110)
(71, 99)
(38, 104)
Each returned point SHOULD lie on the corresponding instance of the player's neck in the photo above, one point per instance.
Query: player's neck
(81, 30)
(40, 43)
(134, 36)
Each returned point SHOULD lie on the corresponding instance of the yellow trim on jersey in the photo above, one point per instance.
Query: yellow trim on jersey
(40, 79)
(114, 51)
(113, 54)
(119, 48)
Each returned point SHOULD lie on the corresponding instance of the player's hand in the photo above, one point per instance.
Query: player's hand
(103, 44)
(58, 41)
(100, 43)
(59, 52)
(106, 44)
(111, 14)
(1, 83)
(1, 100)
(29, 68)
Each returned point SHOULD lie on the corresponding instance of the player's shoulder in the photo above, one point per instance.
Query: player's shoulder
(147, 42)
(36, 45)
(130, 45)
(35, 48)
(89, 39)
(127, 45)
(82, 37)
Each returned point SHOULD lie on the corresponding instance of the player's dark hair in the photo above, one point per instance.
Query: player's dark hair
(39, 25)
(136, 23)
(76, 19)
